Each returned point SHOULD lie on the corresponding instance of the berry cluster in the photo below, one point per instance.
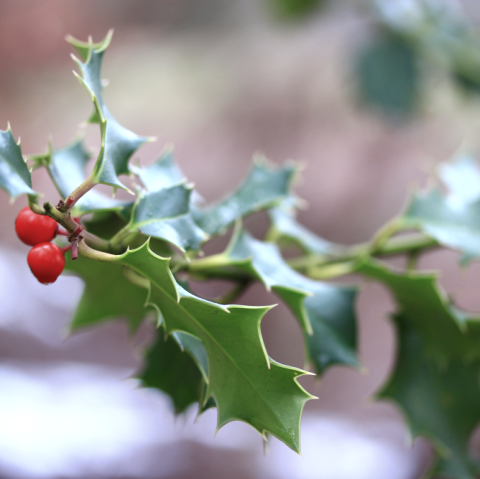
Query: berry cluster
(46, 259)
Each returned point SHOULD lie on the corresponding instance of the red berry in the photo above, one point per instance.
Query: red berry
(33, 229)
(46, 261)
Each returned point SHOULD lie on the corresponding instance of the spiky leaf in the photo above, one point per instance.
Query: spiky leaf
(162, 173)
(436, 376)
(324, 311)
(15, 177)
(165, 214)
(108, 295)
(66, 167)
(452, 219)
(172, 371)
(118, 143)
(287, 229)
(265, 187)
(244, 382)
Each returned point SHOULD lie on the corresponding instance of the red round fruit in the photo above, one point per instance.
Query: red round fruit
(33, 229)
(46, 261)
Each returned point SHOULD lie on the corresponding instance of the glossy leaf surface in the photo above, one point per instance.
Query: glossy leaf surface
(244, 382)
(324, 311)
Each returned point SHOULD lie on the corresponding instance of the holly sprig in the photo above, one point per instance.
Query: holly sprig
(137, 257)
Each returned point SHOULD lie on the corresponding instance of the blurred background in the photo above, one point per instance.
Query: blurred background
(368, 95)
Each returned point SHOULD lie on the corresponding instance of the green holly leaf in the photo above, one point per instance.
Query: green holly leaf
(195, 348)
(15, 178)
(108, 295)
(446, 333)
(435, 379)
(66, 167)
(451, 224)
(104, 224)
(118, 143)
(165, 214)
(162, 173)
(453, 218)
(285, 228)
(388, 75)
(441, 401)
(325, 311)
(293, 10)
(170, 369)
(265, 187)
(246, 384)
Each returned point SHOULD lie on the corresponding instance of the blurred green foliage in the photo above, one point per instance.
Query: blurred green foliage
(388, 75)
(293, 9)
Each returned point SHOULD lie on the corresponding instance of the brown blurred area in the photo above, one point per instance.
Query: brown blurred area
(221, 81)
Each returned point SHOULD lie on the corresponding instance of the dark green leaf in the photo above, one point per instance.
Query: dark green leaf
(196, 349)
(108, 295)
(440, 400)
(436, 377)
(324, 311)
(15, 178)
(173, 371)
(265, 187)
(104, 224)
(387, 75)
(294, 9)
(244, 382)
(165, 214)
(118, 143)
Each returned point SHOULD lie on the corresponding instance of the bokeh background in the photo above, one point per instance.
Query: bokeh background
(221, 81)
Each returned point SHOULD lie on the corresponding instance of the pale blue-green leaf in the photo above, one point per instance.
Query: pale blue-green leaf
(462, 178)
(118, 143)
(15, 177)
(265, 187)
(66, 167)
(165, 214)
(162, 173)
(450, 221)
(284, 226)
